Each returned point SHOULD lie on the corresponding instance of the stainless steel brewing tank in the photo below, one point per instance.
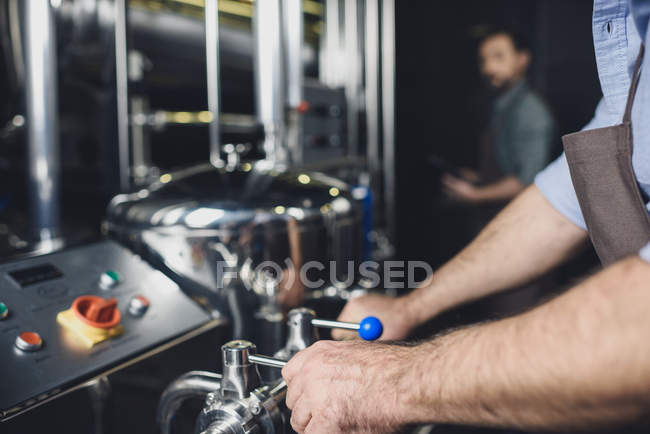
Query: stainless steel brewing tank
(212, 230)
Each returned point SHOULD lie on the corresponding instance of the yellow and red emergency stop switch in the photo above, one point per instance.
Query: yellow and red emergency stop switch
(92, 319)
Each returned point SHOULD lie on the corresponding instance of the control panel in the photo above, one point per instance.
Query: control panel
(71, 316)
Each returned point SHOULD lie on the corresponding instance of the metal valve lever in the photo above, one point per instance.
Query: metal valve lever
(266, 361)
(370, 328)
(238, 401)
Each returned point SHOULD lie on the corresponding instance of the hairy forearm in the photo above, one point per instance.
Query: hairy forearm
(528, 238)
(579, 361)
(503, 189)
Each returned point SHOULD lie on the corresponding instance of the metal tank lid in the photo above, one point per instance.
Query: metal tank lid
(204, 197)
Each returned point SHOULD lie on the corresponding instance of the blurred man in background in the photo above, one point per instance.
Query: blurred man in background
(517, 143)
(519, 139)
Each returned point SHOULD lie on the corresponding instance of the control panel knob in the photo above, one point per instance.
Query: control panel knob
(369, 329)
(97, 311)
(92, 319)
(138, 305)
(29, 341)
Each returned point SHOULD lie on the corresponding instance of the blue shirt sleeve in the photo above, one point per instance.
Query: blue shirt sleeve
(532, 135)
(644, 253)
(555, 180)
(555, 184)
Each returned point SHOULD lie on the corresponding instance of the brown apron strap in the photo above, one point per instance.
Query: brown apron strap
(600, 162)
(627, 117)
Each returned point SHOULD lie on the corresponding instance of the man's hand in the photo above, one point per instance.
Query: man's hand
(580, 361)
(470, 175)
(459, 189)
(391, 311)
(347, 387)
(528, 238)
(502, 190)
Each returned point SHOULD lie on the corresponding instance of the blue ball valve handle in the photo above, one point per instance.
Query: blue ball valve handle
(370, 328)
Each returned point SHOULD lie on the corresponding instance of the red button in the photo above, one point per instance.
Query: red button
(144, 300)
(29, 341)
(31, 338)
(138, 305)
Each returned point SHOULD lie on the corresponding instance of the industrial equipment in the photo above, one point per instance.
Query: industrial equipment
(77, 315)
(239, 401)
(213, 227)
(213, 230)
(213, 209)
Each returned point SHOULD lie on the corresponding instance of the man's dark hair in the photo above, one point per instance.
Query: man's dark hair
(518, 39)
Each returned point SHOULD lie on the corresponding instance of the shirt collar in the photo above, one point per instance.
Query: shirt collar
(506, 98)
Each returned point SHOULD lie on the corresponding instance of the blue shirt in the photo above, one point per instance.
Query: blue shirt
(523, 131)
(619, 26)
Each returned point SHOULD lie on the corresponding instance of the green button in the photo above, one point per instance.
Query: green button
(4, 310)
(113, 275)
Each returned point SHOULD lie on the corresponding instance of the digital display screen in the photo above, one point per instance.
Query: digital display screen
(34, 275)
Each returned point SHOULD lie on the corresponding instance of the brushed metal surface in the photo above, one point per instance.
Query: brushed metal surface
(63, 364)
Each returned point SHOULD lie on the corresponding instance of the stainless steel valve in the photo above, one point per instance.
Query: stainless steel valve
(238, 402)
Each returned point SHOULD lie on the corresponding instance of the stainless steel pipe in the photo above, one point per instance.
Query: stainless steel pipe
(122, 89)
(42, 121)
(212, 62)
(293, 38)
(193, 384)
(269, 78)
(293, 33)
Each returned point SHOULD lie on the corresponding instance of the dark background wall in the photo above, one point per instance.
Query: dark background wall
(439, 95)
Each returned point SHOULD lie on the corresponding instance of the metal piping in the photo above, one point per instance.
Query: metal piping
(140, 139)
(122, 86)
(269, 76)
(352, 70)
(99, 390)
(16, 43)
(388, 111)
(331, 59)
(193, 384)
(41, 86)
(212, 62)
(294, 35)
(372, 93)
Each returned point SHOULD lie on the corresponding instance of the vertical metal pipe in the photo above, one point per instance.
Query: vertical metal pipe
(42, 119)
(16, 43)
(293, 36)
(269, 78)
(212, 63)
(141, 146)
(388, 111)
(293, 43)
(372, 66)
(352, 77)
(331, 58)
(322, 48)
(122, 85)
